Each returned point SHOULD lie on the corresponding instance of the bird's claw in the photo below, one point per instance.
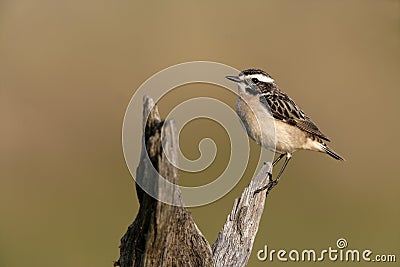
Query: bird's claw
(271, 184)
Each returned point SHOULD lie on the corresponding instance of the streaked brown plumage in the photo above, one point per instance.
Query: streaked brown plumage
(259, 97)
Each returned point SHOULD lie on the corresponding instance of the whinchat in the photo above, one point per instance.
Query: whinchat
(260, 101)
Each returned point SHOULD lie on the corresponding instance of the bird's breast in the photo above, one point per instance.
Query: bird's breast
(257, 120)
(272, 134)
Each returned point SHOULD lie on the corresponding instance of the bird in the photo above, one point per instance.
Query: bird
(260, 104)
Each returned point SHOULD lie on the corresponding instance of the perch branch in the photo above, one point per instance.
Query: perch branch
(235, 241)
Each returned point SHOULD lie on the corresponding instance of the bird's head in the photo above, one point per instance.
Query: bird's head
(254, 78)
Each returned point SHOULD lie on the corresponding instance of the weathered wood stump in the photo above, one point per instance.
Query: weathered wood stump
(166, 235)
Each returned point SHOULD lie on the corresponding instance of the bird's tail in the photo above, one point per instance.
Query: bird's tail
(331, 153)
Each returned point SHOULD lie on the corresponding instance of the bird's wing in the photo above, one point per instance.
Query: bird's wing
(285, 109)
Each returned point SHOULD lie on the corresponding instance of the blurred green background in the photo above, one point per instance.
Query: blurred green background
(69, 68)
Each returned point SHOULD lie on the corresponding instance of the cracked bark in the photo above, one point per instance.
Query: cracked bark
(166, 235)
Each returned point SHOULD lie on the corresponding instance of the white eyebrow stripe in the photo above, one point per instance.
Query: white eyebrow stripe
(262, 78)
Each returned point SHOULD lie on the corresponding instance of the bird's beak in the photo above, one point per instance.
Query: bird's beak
(234, 78)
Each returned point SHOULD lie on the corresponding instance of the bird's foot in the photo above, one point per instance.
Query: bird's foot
(271, 184)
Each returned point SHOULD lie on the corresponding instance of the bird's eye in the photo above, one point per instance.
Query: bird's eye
(255, 80)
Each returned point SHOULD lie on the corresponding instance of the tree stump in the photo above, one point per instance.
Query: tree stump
(166, 235)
